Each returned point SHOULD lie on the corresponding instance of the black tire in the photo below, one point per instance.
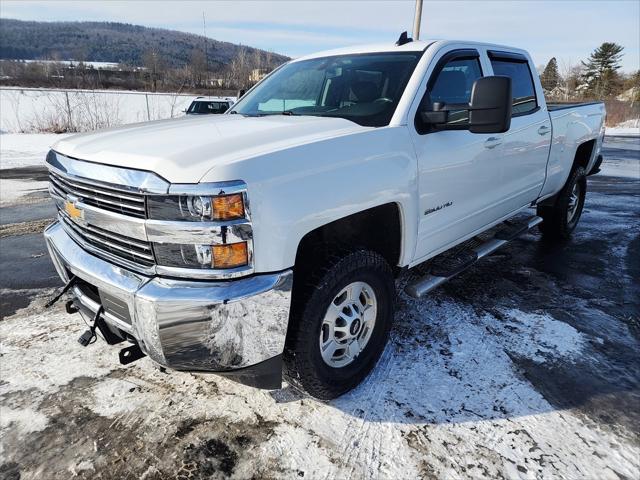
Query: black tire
(557, 223)
(304, 365)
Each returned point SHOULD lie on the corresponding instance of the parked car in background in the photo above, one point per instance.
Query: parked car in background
(208, 106)
(271, 236)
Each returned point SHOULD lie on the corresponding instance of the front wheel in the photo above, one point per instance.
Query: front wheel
(340, 325)
(560, 219)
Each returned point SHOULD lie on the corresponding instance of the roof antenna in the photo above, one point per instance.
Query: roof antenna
(403, 39)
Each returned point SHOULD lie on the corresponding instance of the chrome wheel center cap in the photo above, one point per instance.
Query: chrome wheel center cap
(348, 324)
(355, 327)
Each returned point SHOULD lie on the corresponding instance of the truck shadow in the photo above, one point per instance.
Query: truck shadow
(535, 328)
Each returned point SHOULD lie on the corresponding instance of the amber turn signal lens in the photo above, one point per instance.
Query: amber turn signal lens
(231, 255)
(227, 207)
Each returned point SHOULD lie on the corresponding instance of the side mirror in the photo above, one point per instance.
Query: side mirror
(490, 106)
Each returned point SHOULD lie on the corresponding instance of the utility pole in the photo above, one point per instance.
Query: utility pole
(206, 57)
(416, 20)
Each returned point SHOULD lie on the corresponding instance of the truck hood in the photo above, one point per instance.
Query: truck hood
(183, 150)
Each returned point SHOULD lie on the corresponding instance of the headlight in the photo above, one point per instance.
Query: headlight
(227, 245)
(197, 208)
(223, 256)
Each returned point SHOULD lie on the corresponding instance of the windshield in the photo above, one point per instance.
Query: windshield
(362, 88)
(199, 106)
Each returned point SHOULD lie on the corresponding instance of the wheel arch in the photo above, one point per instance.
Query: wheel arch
(584, 154)
(358, 230)
(582, 158)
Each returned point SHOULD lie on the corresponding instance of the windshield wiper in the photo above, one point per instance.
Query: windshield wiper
(288, 112)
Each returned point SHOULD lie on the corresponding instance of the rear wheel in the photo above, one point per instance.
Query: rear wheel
(340, 324)
(561, 218)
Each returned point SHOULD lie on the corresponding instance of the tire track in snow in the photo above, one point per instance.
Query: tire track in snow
(359, 450)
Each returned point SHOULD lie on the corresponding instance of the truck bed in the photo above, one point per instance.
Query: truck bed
(573, 125)
(553, 106)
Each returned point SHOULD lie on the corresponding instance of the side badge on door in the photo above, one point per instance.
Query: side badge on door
(439, 207)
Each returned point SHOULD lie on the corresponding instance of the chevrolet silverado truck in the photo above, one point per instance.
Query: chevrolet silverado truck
(264, 243)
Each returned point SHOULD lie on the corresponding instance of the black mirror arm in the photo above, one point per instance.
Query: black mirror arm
(452, 107)
(434, 117)
(440, 112)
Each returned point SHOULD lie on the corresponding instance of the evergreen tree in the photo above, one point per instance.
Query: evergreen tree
(550, 76)
(601, 70)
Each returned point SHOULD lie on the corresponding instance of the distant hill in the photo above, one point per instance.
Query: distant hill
(109, 42)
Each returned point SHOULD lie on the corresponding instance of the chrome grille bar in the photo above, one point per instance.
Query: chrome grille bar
(107, 198)
(117, 245)
(104, 190)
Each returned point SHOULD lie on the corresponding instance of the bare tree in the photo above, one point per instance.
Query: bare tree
(154, 63)
(238, 69)
(198, 67)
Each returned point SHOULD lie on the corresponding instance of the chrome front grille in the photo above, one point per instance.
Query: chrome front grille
(112, 199)
(108, 243)
(102, 208)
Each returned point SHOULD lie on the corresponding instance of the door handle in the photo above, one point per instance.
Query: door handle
(492, 142)
(543, 130)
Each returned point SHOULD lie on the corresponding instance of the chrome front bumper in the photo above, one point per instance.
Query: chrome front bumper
(215, 326)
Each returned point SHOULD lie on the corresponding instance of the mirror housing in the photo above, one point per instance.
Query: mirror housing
(489, 108)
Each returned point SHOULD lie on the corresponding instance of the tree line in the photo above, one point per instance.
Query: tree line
(155, 73)
(597, 78)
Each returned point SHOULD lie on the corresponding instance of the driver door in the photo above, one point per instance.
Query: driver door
(457, 170)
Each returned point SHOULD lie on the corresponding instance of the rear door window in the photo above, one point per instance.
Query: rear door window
(524, 92)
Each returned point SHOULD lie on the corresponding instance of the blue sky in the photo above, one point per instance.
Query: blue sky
(568, 30)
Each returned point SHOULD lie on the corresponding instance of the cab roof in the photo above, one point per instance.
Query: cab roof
(413, 46)
(417, 46)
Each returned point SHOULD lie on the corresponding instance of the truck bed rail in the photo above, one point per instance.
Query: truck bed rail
(553, 106)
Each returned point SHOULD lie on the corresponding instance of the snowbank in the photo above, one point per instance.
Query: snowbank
(623, 131)
(25, 150)
(628, 128)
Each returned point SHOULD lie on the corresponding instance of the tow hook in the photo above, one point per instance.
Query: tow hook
(72, 281)
(70, 307)
(130, 354)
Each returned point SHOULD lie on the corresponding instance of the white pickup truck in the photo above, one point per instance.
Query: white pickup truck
(266, 240)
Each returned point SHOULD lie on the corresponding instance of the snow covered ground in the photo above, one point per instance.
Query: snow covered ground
(623, 131)
(23, 150)
(445, 401)
(525, 367)
(34, 110)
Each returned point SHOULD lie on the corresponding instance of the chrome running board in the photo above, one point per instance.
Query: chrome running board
(450, 267)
